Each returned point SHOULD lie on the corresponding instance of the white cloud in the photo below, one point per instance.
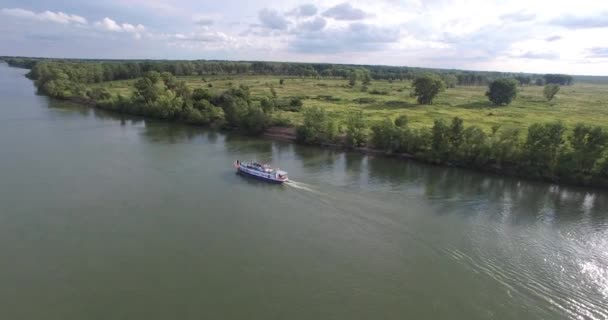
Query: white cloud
(599, 20)
(315, 24)
(108, 24)
(57, 17)
(272, 19)
(356, 37)
(204, 22)
(345, 11)
(205, 36)
(518, 35)
(598, 52)
(305, 10)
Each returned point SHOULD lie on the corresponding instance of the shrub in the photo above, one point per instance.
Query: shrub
(426, 88)
(384, 135)
(401, 121)
(280, 121)
(365, 100)
(550, 91)
(200, 94)
(328, 98)
(543, 145)
(255, 120)
(295, 102)
(355, 130)
(502, 91)
(293, 105)
(375, 91)
(99, 94)
(317, 127)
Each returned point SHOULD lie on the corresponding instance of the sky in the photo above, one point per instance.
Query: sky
(495, 35)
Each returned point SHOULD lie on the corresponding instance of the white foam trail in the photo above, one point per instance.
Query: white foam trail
(301, 186)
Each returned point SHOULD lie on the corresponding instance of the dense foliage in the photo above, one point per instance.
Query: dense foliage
(131, 69)
(546, 152)
(318, 127)
(158, 95)
(561, 79)
(502, 91)
(427, 87)
(355, 130)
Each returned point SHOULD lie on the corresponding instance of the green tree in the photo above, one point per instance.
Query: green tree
(182, 90)
(601, 171)
(352, 79)
(450, 80)
(235, 103)
(169, 80)
(426, 88)
(355, 130)
(562, 79)
(440, 141)
(200, 94)
(207, 113)
(456, 134)
(543, 144)
(588, 144)
(254, 121)
(366, 78)
(474, 147)
(502, 91)
(550, 91)
(505, 145)
(317, 127)
(99, 94)
(268, 105)
(385, 136)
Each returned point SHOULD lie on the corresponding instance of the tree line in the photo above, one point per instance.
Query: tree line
(545, 151)
(161, 96)
(108, 70)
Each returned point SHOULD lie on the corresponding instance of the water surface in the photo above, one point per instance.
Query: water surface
(104, 216)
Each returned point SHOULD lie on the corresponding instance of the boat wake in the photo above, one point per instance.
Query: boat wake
(301, 186)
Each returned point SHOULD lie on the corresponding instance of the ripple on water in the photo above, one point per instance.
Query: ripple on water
(568, 271)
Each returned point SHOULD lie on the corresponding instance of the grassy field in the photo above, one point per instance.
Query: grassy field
(582, 102)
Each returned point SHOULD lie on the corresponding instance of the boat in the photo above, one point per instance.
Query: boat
(261, 171)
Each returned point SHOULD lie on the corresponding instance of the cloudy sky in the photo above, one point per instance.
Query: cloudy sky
(504, 35)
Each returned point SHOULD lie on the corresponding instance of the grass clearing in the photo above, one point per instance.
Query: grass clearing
(581, 102)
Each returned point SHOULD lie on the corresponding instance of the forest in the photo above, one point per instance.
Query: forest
(90, 71)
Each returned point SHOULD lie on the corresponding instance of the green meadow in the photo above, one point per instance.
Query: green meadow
(582, 102)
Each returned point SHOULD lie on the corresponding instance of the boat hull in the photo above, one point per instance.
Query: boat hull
(260, 175)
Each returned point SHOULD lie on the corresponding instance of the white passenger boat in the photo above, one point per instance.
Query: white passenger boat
(260, 171)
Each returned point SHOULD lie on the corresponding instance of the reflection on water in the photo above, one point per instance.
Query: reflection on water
(516, 200)
(538, 248)
(256, 149)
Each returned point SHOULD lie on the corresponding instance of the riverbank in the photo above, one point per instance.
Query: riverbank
(289, 134)
(548, 151)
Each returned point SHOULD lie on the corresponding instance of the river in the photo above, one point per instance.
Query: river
(104, 216)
